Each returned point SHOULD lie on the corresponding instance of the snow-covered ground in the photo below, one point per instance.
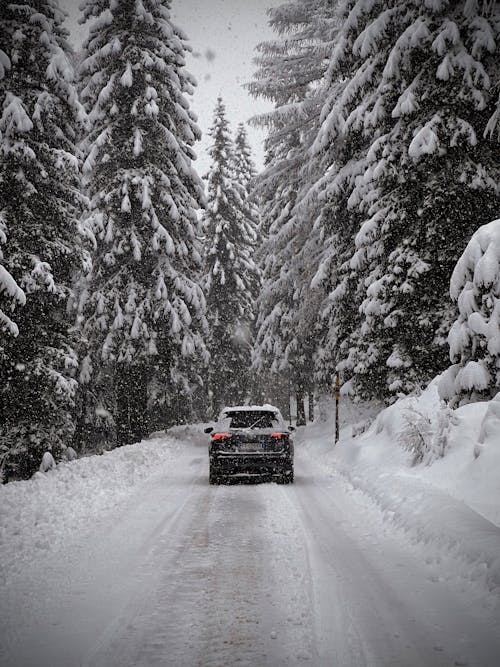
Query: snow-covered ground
(132, 558)
(448, 506)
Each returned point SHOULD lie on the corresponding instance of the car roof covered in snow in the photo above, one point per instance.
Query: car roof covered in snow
(248, 408)
(225, 413)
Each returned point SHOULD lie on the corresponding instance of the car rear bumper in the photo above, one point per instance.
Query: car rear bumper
(252, 463)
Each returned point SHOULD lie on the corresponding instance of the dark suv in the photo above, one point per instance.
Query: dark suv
(250, 440)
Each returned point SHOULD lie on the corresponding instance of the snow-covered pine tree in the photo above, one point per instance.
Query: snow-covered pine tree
(245, 173)
(11, 295)
(339, 163)
(244, 166)
(142, 309)
(420, 104)
(40, 206)
(231, 276)
(474, 338)
(290, 72)
(340, 152)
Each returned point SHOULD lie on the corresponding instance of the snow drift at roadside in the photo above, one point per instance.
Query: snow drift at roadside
(41, 514)
(433, 473)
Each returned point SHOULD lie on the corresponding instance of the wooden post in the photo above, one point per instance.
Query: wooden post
(337, 397)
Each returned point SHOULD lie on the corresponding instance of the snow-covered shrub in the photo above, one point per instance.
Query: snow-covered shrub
(474, 338)
(416, 437)
(425, 433)
(48, 462)
(70, 454)
(23, 445)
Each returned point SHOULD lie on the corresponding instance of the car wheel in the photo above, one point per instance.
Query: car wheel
(286, 477)
(213, 477)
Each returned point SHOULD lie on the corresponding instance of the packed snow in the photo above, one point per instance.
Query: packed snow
(379, 554)
(446, 498)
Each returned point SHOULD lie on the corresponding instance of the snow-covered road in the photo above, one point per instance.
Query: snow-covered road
(180, 573)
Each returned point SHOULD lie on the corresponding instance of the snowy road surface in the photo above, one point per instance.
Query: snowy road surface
(181, 573)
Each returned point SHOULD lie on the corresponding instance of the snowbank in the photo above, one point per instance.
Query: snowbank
(41, 514)
(448, 499)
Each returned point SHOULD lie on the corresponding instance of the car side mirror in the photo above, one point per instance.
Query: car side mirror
(209, 429)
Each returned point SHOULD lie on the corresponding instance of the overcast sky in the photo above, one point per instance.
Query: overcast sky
(222, 34)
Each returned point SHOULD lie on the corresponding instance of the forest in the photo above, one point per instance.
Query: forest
(136, 293)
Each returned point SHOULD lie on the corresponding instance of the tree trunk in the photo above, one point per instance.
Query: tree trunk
(132, 404)
(94, 414)
(301, 410)
(311, 406)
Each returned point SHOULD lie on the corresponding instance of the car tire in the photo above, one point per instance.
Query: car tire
(213, 477)
(286, 477)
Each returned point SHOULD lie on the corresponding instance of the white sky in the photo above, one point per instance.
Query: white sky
(222, 34)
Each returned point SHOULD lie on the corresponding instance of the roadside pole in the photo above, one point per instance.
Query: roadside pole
(337, 397)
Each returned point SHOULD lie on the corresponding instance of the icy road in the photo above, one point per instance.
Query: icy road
(172, 571)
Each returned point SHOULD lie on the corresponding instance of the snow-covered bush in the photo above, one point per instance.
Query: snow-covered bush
(425, 434)
(416, 437)
(474, 338)
(48, 462)
(70, 454)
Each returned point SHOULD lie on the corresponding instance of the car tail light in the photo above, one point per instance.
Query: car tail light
(221, 436)
(279, 436)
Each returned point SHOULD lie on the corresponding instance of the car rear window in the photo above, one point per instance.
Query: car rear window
(253, 419)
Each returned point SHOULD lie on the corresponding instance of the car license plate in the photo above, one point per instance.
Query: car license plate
(249, 446)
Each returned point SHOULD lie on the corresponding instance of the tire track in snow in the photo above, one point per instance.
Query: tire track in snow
(231, 588)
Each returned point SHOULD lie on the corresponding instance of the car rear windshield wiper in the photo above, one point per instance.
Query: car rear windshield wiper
(258, 420)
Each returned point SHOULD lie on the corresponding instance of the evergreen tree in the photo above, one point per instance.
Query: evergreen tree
(142, 309)
(413, 117)
(474, 338)
(11, 295)
(291, 70)
(341, 161)
(231, 276)
(40, 207)
(244, 166)
(245, 174)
